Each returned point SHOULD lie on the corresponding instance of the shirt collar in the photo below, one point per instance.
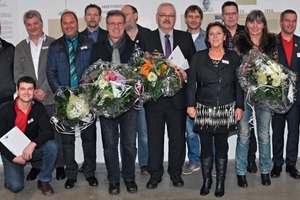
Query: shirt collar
(91, 32)
(43, 37)
(163, 34)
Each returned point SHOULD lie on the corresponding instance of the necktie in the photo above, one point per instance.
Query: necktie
(167, 46)
(72, 56)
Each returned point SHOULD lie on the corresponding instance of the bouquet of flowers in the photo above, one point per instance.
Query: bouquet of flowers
(267, 82)
(159, 77)
(110, 88)
(72, 113)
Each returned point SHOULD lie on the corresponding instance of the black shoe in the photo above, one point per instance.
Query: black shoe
(92, 181)
(252, 168)
(70, 183)
(32, 175)
(177, 181)
(294, 173)
(242, 181)
(153, 183)
(114, 188)
(265, 179)
(131, 187)
(60, 173)
(275, 173)
(144, 170)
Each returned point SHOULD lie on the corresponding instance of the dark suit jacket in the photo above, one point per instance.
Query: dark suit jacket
(150, 41)
(102, 34)
(295, 64)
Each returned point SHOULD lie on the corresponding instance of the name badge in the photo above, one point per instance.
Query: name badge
(45, 47)
(30, 121)
(83, 47)
(298, 55)
(225, 62)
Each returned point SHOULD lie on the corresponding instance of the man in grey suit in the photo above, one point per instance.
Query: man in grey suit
(30, 60)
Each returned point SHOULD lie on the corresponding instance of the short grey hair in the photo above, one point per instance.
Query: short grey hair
(163, 5)
(30, 14)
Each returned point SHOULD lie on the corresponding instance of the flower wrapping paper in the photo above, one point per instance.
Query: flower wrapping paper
(111, 89)
(267, 82)
(159, 77)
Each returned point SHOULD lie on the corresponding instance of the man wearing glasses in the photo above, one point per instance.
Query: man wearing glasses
(169, 110)
(117, 48)
(134, 31)
(230, 17)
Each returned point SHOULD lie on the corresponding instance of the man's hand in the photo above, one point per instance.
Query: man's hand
(39, 94)
(183, 74)
(27, 152)
(19, 160)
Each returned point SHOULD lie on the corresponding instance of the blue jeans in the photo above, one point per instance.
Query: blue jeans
(192, 141)
(110, 139)
(142, 136)
(263, 119)
(14, 173)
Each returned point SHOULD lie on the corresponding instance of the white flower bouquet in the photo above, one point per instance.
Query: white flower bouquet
(72, 113)
(267, 81)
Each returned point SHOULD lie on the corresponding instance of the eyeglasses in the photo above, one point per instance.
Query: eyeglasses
(113, 24)
(165, 15)
(230, 14)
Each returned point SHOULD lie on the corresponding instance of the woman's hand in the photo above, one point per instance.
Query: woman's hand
(238, 114)
(191, 111)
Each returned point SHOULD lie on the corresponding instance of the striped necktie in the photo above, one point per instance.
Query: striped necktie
(72, 57)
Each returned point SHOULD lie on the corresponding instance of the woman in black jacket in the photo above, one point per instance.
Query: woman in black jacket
(215, 100)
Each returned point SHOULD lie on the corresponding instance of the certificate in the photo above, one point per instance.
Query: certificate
(15, 141)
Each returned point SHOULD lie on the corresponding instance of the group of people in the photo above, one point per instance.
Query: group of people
(40, 65)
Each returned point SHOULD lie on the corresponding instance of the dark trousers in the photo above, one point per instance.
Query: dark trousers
(127, 124)
(220, 145)
(175, 120)
(278, 125)
(88, 137)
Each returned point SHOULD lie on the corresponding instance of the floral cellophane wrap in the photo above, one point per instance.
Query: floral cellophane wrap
(267, 82)
(158, 75)
(72, 113)
(111, 88)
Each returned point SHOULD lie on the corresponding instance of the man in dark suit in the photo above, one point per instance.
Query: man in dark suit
(92, 17)
(289, 56)
(170, 110)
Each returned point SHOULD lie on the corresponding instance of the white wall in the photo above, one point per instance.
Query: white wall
(50, 9)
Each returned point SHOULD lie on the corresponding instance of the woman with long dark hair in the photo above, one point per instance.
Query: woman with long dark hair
(256, 36)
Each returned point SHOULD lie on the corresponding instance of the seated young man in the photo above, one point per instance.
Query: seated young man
(31, 118)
